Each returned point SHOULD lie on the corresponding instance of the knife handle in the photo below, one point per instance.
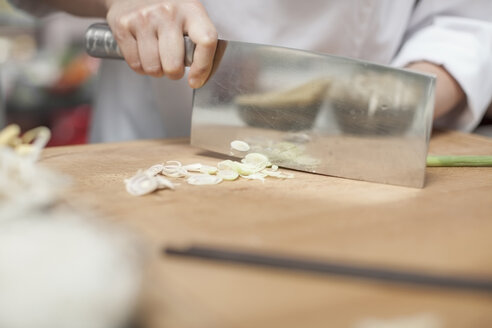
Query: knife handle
(100, 43)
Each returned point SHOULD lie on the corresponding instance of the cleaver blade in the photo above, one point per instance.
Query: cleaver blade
(309, 111)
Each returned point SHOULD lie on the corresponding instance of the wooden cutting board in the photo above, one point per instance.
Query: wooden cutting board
(444, 228)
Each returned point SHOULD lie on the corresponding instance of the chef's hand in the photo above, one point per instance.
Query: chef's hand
(150, 36)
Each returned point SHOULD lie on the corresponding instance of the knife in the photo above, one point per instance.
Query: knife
(308, 111)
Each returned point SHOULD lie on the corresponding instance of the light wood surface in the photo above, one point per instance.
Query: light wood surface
(444, 228)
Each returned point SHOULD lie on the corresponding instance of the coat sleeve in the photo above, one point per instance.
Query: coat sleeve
(456, 34)
(33, 7)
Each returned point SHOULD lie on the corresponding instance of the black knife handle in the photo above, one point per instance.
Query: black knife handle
(397, 276)
(100, 43)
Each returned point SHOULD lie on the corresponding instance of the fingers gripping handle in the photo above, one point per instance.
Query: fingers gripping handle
(99, 42)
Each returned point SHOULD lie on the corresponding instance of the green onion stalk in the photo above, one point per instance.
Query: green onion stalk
(459, 161)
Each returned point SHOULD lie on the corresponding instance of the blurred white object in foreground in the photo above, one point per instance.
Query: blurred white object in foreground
(59, 268)
(62, 271)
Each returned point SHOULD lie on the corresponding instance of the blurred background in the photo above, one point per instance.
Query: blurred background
(45, 76)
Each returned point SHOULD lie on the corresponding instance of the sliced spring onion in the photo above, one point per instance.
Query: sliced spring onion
(174, 170)
(256, 162)
(240, 145)
(38, 136)
(271, 173)
(228, 175)
(24, 149)
(9, 133)
(242, 169)
(278, 174)
(174, 163)
(246, 169)
(163, 183)
(175, 174)
(253, 166)
(207, 169)
(141, 184)
(226, 165)
(286, 176)
(155, 169)
(30, 144)
(204, 179)
(255, 176)
(256, 159)
(252, 163)
(193, 167)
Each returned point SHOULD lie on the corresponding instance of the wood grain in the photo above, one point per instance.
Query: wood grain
(445, 227)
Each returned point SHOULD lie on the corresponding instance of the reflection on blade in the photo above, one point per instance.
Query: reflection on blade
(374, 103)
(285, 110)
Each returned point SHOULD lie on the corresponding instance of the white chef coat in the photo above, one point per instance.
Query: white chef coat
(454, 33)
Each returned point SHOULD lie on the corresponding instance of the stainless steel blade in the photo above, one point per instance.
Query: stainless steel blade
(317, 113)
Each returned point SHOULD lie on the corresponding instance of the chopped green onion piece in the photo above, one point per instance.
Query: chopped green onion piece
(228, 175)
(207, 169)
(203, 179)
(245, 169)
(193, 167)
(255, 176)
(226, 165)
(154, 169)
(141, 184)
(255, 159)
(163, 183)
(173, 163)
(240, 145)
(241, 168)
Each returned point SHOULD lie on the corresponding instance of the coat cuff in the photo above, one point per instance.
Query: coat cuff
(464, 48)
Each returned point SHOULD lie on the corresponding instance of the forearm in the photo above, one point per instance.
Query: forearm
(88, 8)
(449, 94)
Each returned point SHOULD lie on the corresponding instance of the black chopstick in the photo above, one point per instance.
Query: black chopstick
(334, 268)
